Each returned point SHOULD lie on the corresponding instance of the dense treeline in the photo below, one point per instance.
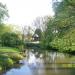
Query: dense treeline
(60, 31)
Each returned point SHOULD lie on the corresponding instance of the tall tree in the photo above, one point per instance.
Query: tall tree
(3, 12)
(60, 30)
(40, 22)
(65, 23)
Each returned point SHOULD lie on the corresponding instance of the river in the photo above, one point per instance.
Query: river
(45, 63)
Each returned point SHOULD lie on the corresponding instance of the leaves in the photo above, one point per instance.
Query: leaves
(64, 24)
(3, 12)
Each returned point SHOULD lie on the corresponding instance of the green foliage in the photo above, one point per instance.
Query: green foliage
(3, 12)
(0, 68)
(60, 32)
(8, 57)
(8, 37)
(10, 40)
(65, 17)
(15, 57)
(4, 28)
(32, 45)
(12, 53)
(50, 33)
(5, 61)
(9, 62)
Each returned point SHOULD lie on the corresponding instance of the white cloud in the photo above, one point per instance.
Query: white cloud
(24, 11)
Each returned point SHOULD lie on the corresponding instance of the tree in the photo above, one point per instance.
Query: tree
(50, 33)
(65, 16)
(3, 12)
(10, 39)
(4, 29)
(60, 30)
(40, 22)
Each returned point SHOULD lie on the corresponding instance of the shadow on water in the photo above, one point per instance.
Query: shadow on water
(45, 63)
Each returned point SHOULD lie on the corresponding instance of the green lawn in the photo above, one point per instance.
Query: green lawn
(8, 49)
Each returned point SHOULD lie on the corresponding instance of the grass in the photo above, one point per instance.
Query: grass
(8, 49)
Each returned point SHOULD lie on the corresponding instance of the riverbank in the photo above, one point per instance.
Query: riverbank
(9, 57)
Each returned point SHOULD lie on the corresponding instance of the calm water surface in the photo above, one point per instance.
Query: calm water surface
(46, 63)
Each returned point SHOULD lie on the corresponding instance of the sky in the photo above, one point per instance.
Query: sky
(23, 12)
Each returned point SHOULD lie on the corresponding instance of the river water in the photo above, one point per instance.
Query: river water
(45, 63)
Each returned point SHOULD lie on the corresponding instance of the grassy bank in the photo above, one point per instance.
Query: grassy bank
(9, 57)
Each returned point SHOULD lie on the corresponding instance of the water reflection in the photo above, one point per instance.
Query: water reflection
(32, 66)
(24, 70)
(43, 64)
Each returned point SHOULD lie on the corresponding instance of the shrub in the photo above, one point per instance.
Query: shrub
(5, 61)
(0, 68)
(10, 40)
(15, 57)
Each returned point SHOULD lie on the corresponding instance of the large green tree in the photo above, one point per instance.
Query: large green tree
(11, 39)
(60, 32)
(65, 23)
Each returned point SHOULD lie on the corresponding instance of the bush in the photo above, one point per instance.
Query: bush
(9, 62)
(15, 57)
(5, 61)
(10, 40)
(0, 68)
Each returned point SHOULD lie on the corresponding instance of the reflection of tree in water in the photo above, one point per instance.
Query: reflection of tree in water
(36, 64)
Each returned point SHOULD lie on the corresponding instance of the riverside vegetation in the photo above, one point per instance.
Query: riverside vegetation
(9, 57)
(10, 42)
(60, 31)
(55, 33)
